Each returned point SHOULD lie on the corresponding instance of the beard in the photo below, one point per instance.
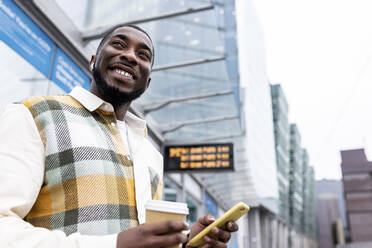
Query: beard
(112, 94)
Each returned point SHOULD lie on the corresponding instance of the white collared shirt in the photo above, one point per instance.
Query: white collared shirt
(122, 125)
(22, 172)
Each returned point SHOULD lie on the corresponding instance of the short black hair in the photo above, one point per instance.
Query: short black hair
(111, 30)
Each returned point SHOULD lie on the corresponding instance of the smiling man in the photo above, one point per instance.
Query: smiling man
(76, 170)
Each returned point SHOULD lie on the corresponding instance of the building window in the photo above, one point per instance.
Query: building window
(193, 209)
(170, 190)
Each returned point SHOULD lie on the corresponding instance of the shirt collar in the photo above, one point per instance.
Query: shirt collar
(93, 102)
(89, 100)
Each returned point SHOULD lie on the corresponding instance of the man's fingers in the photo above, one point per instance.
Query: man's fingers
(206, 220)
(166, 227)
(169, 240)
(211, 242)
(224, 236)
(220, 234)
(231, 226)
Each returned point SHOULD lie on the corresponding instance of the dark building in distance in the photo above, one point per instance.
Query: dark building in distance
(327, 214)
(330, 209)
(357, 180)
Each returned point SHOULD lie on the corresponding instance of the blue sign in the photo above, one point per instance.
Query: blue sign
(210, 205)
(20, 33)
(66, 74)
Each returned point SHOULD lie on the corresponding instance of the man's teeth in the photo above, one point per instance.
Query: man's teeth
(124, 73)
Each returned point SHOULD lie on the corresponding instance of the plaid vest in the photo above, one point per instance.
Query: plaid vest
(89, 183)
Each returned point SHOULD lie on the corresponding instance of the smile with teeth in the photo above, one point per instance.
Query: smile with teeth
(124, 73)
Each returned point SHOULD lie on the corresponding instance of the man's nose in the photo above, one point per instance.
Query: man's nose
(130, 56)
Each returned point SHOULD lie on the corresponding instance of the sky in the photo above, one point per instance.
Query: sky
(320, 51)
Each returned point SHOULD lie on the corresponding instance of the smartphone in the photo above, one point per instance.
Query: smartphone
(232, 215)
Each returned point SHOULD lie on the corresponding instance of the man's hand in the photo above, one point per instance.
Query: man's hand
(162, 234)
(220, 236)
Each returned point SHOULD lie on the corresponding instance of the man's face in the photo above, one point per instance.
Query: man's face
(123, 65)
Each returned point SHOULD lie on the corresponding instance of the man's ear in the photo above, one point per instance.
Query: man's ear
(91, 63)
(148, 82)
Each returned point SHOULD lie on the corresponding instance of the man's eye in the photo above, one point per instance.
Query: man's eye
(118, 44)
(145, 55)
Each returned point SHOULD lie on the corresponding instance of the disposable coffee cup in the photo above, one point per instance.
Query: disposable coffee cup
(160, 211)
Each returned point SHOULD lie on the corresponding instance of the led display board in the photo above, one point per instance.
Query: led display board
(200, 157)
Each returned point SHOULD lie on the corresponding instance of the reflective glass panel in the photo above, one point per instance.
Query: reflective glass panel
(20, 79)
(189, 40)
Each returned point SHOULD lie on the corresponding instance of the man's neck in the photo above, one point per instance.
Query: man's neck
(120, 110)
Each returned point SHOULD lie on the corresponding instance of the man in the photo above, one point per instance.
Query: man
(79, 167)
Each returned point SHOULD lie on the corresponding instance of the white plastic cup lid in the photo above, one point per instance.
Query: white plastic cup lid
(167, 206)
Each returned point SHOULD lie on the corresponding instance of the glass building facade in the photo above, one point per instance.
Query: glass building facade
(310, 203)
(309, 197)
(305, 181)
(282, 142)
(196, 89)
(194, 92)
(209, 84)
(296, 179)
